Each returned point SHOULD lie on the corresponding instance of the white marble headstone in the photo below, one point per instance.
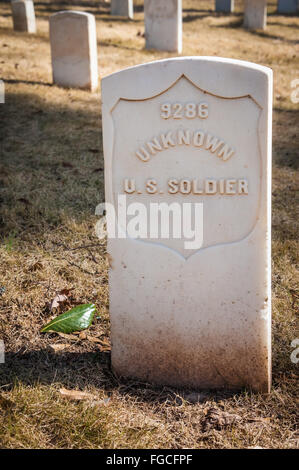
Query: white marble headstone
(23, 16)
(122, 8)
(255, 14)
(163, 25)
(190, 134)
(74, 49)
(225, 6)
(287, 6)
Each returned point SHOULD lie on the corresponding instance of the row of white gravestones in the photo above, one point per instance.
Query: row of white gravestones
(190, 307)
(283, 6)
(163, 28)
(163, 18)
(125, 7)
(23, 16)
(74, 49)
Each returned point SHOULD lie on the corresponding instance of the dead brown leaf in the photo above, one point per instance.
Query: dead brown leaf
(217, 419)
(104, 345)
(76, 395)
(68, 336)
(58, 347)
(60, 298)
(82, 335)
(93, 339)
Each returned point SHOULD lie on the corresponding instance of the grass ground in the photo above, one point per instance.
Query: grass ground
(51, 179)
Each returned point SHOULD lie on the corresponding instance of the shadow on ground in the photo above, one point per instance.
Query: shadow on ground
(267, 35)
(93, 369)
(26, 82)
(51, 157)
(85, 370)
(237, 22)
(70, 369)
(285, 149)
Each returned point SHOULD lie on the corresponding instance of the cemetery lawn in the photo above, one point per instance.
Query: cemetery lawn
(51, 179)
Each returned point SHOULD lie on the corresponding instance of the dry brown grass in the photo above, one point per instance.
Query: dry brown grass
(51, 180)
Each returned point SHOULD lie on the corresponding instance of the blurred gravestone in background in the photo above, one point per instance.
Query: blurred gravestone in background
(163, 25)
(255, 14)
(23, 16)
(225, 6)
(122, 8)
(74, 49)
(287, 6)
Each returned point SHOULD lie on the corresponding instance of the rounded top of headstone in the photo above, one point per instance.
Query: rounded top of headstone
(164, 9)
(21, 1)
(74, 13)
(198, 59)
(229, 78)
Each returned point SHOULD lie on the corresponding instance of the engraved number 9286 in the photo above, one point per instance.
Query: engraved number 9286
(188, 110)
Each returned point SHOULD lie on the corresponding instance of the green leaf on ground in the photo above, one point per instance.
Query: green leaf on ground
(77, 319)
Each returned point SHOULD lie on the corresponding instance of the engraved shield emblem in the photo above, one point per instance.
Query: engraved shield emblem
(187, 145)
